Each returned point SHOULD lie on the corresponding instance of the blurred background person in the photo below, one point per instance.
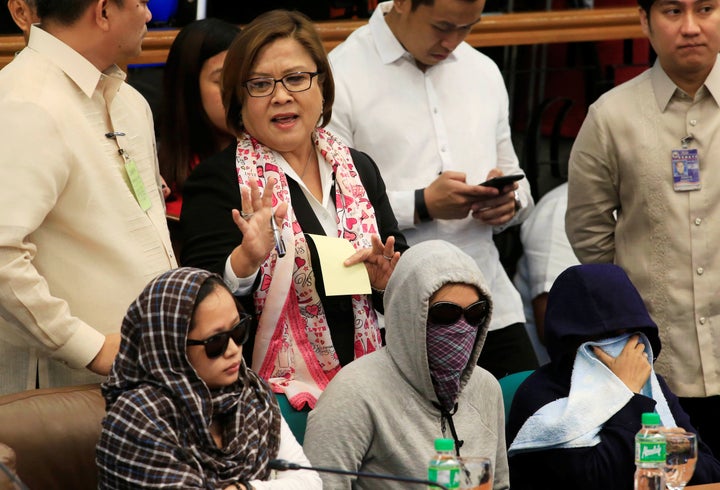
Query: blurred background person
(192, 126)
(278, 92)
(546, 253)
(183, 409)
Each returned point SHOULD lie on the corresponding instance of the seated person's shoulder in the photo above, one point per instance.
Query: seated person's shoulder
(482, 378)
(360, 376)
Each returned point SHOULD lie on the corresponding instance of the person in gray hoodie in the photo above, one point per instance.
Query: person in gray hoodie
(381, 413)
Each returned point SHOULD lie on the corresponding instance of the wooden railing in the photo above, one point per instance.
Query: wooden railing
(556, 26)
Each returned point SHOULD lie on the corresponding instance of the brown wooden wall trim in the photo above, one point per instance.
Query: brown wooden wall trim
(557, 26)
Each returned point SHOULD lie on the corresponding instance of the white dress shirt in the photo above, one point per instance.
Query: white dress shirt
(546, 253)
(415, 125)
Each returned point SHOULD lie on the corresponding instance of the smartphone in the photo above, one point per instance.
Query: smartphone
(500, 182)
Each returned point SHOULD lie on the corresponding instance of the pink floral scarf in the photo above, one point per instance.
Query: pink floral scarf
(293, 349)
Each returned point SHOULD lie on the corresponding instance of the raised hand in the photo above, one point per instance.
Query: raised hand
(254, 223)
(380, 260)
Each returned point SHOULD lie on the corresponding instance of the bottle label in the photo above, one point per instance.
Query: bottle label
(650, 451)
(449, 477)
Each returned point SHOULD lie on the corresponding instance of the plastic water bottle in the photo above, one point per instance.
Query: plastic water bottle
(650, 454)
(444, 468)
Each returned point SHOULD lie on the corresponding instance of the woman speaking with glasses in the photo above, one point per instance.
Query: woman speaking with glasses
(249, 211)
(183, 409)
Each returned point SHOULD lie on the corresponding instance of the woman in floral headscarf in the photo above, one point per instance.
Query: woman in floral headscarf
(183, 409)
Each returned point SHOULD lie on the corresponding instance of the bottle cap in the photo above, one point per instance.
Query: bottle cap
(444, 444)
(651, 418)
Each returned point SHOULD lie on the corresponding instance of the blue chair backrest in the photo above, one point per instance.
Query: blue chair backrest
(509, 385)
(296, 419)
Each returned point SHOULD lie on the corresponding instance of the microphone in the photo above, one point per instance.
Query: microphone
(12, 478)
(285, 465)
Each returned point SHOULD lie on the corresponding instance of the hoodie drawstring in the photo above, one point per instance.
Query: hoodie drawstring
(445, 415)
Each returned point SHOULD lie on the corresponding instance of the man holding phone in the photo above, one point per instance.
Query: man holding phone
(433, 113)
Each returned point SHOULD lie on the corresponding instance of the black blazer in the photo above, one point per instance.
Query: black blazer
(209, 234)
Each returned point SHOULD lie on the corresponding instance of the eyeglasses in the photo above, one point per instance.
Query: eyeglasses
(299, 81)
(216, 345)
(447, 313)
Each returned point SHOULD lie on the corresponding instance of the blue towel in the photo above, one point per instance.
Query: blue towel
(596, 394)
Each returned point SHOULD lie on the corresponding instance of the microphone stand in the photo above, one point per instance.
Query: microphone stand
(283, 465)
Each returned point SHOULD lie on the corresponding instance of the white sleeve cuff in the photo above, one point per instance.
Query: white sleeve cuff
(81, 348)
(403, 205)
(240, 286)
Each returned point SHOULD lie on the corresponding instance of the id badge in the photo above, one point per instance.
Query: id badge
(137, 185)
(685, 169)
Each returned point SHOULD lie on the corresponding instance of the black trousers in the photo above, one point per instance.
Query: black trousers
(507, 351)
(703, 414)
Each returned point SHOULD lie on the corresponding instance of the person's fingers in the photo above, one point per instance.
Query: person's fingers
(247, 205)
(389, 249)
(358, 257)
(281, 212)
(267, 194)
(602, 355)
(377, 244)
(240, 222)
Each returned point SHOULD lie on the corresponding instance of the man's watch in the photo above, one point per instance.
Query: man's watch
(421, 207)
(518, 203)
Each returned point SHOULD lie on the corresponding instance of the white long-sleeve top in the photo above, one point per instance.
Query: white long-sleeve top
(417, 124)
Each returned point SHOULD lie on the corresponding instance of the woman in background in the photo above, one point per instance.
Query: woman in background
(183, 409)
(192, 126)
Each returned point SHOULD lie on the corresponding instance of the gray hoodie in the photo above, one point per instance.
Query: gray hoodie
(378, 414)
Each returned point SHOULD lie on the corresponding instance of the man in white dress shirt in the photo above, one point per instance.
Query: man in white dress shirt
(83, 226)
(433, 113)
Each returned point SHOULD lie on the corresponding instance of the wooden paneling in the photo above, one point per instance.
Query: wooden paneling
(556, 26)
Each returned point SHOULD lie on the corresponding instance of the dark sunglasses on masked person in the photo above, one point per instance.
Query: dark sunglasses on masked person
(216, 345)
(447, 313)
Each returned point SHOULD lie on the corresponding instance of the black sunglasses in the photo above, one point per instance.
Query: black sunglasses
(216, 345)
(447, 313)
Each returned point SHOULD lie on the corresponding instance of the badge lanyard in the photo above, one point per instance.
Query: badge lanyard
(137, 186)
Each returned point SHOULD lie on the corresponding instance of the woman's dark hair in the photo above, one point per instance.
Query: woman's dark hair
(241, 58)
(186, 131)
